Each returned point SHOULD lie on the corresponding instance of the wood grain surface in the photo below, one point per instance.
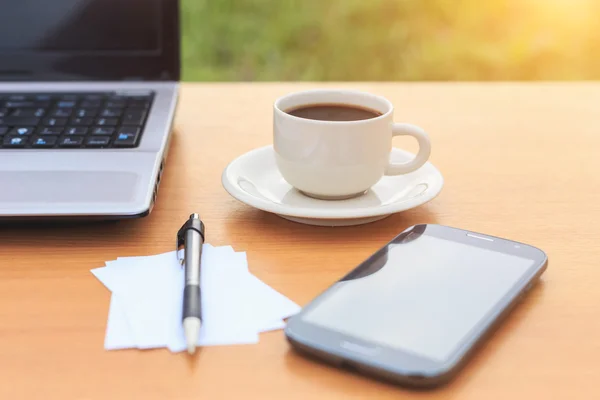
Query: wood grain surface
(520, 161)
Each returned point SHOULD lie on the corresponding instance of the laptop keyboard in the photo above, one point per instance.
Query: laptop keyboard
(72, 121)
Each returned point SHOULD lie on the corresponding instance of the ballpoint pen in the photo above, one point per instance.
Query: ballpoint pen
(191, 238)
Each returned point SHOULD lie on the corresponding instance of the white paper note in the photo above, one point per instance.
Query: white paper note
(146, 305)
(118, 332)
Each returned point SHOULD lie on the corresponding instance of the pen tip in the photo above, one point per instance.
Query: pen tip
(191, 327)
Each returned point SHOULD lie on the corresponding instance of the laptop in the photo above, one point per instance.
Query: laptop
(88, 91)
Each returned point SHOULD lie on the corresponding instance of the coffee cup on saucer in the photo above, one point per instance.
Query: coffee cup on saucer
(332, 145)
(335, 144)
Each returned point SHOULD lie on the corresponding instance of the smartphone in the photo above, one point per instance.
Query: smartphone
(416, 309)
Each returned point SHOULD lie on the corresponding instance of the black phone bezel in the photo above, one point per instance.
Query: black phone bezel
(401, 366)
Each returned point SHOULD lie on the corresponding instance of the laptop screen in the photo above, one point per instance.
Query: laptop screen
(81, 26)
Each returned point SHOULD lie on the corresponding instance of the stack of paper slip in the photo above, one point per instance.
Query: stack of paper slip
(147, 292)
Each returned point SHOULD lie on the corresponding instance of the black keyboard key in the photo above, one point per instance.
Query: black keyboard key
(19, 121)
(76, 131)
(19, 104)
(115, 104)
(87, 121)
(128, 130)
(46, 141)
(134, 113)
(133, 121)
(71, 141)
(43, 97)
(134, 118)
(86, 112)
(139, 97)
(62, 112)
(69, 97)
(55, 121)
(126, 137)
(91, 103)
(97, 141)
(15, 141)
(111, 112)
(103, 130)
(50, 131)
(27, 104)
(3, 130)
(28, 112)
(107, 121)
(18, 97)
(3, 112)
(93, 97)
(139, 103)
(66, 104)
(21, 131)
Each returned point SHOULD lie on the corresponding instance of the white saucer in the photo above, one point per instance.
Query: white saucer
(254, 179)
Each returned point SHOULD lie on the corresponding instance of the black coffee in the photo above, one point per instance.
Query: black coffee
(333, 112)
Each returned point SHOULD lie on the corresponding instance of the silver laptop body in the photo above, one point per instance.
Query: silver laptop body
(99, 53)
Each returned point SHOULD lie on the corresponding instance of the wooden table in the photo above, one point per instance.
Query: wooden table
(519, 160)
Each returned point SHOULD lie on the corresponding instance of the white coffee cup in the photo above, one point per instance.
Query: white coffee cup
(340, 159)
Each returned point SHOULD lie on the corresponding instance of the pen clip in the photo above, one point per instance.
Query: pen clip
(181, 243)
(193, 223)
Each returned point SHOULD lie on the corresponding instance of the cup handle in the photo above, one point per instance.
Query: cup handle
(422, 155)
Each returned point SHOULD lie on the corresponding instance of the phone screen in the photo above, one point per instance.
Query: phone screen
(423, 296)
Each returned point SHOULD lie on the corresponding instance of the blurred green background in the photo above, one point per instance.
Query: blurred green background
(390, 40)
